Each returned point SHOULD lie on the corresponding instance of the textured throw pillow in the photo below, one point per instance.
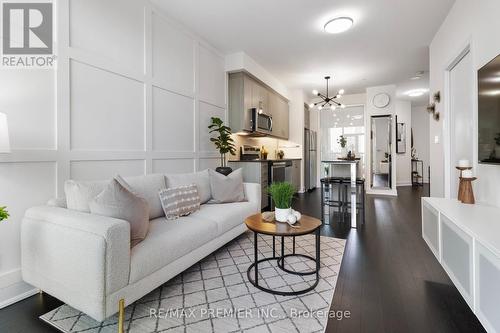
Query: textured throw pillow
(201, 179)
(227, 189)
(117, 201)
(179, 201)
(80, 193)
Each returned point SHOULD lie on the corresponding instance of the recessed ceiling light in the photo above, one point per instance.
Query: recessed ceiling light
(338, 25)
(416, 92)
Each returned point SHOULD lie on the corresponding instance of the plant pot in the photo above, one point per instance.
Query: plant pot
(281, 214)
(224, 170)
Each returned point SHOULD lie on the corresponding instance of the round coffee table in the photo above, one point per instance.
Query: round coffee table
(306, 225)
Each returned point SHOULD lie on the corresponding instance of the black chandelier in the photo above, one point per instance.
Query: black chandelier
(327, 101)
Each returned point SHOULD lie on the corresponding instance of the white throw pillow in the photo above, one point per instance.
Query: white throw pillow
(147, 187)
(80, 193)
(179, 201)
(201, 179)
(117, 201)
(227, 189)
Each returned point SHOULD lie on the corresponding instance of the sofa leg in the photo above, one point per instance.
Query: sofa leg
(121, 315)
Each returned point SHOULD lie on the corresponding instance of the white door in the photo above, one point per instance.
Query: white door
(461, 117)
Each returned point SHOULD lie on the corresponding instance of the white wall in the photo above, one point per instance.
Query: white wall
(420, 125)
(133, 94)
(371, 110)
(403, 161)
(473, 23)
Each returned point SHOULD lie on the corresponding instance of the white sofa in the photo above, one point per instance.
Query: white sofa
(85, 260)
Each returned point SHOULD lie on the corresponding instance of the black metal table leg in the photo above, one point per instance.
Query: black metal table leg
(318, 259)
(274, 247)
(293, 245)
(282, 246)
(256, 258)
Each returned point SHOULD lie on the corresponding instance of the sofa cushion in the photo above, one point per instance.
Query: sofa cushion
(147, 187)
(117, 201)
(201, 179)
(80, 193)
(226, 216)
(228, 188)
(167, 241)
(179, 201)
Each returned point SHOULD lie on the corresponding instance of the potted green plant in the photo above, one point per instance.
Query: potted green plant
(224, 143)
(282, 195)
(342, 141)
(4, 214)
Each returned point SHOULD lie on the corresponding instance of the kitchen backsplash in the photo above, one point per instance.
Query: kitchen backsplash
(291, 149)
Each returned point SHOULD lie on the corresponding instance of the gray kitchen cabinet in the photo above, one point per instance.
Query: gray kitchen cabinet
(280, 111)
(255, 172)
(296, 174)
(246, 92)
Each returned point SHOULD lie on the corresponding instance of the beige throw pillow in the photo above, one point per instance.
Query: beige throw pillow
(227, 189)
(179, 201)
(118, 201)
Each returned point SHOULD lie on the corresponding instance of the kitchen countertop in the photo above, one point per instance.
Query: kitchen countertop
(268, 160)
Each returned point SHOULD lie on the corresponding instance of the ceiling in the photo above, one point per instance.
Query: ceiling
(387, 44)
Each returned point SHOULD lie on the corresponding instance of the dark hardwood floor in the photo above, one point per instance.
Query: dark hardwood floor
(389, 280)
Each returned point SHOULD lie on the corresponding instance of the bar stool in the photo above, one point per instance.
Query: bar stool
(331, 197)
(360, 196)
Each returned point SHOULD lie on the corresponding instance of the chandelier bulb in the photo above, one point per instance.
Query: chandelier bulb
(342, 106)
(315, 92)
(311, 105)
(341, 91)
(320, 107)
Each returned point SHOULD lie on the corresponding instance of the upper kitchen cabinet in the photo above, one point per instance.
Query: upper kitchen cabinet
(245, 93)
(278, 106)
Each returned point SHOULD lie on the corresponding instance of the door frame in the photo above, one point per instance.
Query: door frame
(466, 49)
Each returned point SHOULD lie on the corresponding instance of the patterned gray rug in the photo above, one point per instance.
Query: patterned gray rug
(214, 295)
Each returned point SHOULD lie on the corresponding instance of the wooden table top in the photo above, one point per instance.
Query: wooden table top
(305, 225)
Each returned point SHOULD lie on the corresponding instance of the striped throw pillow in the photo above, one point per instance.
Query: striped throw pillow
(179, 201)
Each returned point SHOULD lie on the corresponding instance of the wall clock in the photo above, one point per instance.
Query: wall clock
(381, 100)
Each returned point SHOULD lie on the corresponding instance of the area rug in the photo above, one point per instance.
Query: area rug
(214, 295)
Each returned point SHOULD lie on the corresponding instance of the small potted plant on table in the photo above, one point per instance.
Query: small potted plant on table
(282, 195)
(4, 214)
(224, 143)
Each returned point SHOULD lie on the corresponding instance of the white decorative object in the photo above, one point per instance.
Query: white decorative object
(4, 134)
(381, 100)
(56, 241)
(467, 174)
(291, 219)
(281, 214)
(297, 214)
(464, 163)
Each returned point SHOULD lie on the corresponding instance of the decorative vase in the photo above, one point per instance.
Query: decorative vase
(343, 152)
(224, 170)
(281, 214)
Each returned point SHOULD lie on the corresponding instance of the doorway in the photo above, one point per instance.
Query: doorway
(461, 119)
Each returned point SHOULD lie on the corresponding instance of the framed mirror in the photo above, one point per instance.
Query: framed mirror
(380, 164)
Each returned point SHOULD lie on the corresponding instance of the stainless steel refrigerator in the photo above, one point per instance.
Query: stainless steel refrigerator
(310, 155)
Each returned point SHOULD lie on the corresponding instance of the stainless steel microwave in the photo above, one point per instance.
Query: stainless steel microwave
(260, 122)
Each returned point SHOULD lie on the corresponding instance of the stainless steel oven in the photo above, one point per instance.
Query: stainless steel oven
(261, 122)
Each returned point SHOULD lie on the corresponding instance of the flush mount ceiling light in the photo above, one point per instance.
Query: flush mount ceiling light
(416, 92)
(338, 25)
(326, 100)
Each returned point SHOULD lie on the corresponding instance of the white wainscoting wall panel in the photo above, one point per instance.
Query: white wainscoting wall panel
(172, 112)
(133, 94)
(173, 166)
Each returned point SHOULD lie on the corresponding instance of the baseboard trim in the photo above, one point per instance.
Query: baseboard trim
(9, 278)
(30, 291)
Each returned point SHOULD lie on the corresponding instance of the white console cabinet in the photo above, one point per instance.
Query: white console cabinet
(466, 241)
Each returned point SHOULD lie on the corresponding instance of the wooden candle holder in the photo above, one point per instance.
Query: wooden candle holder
(467, 193)
(461, 184)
